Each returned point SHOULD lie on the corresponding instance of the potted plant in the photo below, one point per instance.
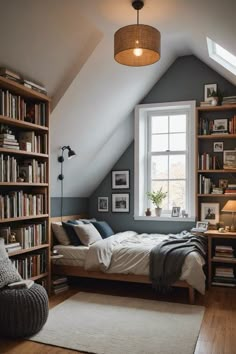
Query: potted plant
(157, 199)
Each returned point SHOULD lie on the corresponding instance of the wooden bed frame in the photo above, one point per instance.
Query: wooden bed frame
(80, 272)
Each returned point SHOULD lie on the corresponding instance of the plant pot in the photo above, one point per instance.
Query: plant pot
(158, 211)
(148, 212)
(214, 101)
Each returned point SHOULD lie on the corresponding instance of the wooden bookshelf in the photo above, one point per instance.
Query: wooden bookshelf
(15, 122)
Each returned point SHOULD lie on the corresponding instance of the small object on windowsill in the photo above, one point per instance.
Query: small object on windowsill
(227, 228)
(221, 230)
(148, 212)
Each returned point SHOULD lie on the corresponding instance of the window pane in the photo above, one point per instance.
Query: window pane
(177, 142)
(160, 124)
(177, 194)
(177, 167)
(178, 123)
(156, 186)
(159, 167)
(160, 142)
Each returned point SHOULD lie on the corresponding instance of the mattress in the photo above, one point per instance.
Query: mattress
(72, 255)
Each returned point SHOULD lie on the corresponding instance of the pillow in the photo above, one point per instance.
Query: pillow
(60, 233)
(69, 228)
(103, 228)
(3, 252)
(75, 222)
(8, 273)
(87, 234)
(87, 221)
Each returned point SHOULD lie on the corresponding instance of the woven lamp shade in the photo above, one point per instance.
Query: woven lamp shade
(128, 38)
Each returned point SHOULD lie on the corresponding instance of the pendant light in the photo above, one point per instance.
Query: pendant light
(137, 45)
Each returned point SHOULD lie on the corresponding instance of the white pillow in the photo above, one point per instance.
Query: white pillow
(60, 233)
(87, 234)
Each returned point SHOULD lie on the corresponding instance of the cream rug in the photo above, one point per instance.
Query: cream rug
(105, 324)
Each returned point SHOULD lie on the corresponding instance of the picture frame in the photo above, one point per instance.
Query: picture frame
(120, 179)
(175, 212)
(202, 225)
(210, 212)
(208, 89)
(103, 204)
(229, 159)
(220, 126)
(218, 146)
(120, 202)
(223, 183)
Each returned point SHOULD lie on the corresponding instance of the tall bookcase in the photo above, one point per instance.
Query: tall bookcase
(216, 183)
(24, 179)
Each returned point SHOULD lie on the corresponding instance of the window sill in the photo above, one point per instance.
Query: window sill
(164, 218)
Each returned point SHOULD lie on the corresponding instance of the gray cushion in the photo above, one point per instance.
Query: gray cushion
(87, 234)
(8, 273)
(103, 228)
(60, 233)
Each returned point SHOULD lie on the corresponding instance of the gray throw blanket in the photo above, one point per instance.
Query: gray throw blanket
(167, 258)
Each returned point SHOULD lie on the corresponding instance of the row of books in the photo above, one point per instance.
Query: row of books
(208, 162)
(24, 140)
(224, 276)
(60, 284)
(12, 247)
(230, 189)
(31, 171)
(16, 107)
(224, 252)
(213, 126)
(18, 203)
(204, 185)
(30, 265)
(12, 75)
(229, 100)
(28, 235)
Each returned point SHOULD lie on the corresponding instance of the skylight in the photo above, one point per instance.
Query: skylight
(221, 56)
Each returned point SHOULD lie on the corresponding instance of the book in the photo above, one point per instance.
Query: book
(27, 137)
(9, 73)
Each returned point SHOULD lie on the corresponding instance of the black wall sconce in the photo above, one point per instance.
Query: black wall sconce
(61, 159)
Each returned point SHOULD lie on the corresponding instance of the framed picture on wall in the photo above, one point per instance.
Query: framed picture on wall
(120, 179)
(103, 204)
(209, 89)
(210, 212)
(120, 203)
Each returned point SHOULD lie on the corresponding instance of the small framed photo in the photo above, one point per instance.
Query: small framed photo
(202, 225)
(220, 126)
(218, 146)
(223, 183)
(103, 204)
(120, 179)
(175, 211)
(210, 212)
(208, 90)
(230, 159)
(120, 203)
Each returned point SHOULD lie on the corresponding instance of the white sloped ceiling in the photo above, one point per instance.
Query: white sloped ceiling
(67, 45)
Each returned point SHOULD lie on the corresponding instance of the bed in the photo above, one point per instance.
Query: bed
(131, 250)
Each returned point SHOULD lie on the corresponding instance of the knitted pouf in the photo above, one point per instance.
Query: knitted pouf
(23, 312)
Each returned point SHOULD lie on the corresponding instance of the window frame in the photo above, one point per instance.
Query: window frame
(142, 158)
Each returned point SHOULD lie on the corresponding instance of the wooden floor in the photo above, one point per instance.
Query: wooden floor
(217, 334)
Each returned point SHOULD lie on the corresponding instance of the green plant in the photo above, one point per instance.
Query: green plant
(157, 197)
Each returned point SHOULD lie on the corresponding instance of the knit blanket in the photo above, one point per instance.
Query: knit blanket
(167, 258)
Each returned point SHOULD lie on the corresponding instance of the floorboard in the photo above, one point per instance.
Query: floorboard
(217, 334)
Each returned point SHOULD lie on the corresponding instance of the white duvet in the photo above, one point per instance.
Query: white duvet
(128, 253)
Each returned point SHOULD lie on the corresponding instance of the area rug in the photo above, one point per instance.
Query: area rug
(105, 324)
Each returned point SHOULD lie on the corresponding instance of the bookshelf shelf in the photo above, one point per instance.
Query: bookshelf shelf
(27, 250)
(24, 122)
(223, 260)
(217, 108)
(217, 195)
(217, 136)
(23, 184)
(217, 171)
(22, 152)
(23, 218)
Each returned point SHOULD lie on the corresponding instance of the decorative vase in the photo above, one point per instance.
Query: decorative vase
(214, 101)
(158, 211)
(148, 212)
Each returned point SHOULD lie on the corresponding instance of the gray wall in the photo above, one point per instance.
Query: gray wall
(71, 206)
(184, 80)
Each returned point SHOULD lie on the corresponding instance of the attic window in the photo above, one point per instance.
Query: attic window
(221, 56)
